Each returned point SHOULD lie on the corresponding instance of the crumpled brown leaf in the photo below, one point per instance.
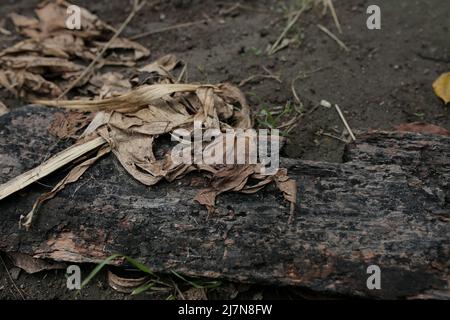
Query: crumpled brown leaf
(33, 265)
(235, 178)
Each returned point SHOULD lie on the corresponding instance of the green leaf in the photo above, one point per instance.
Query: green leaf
(139, 265)
(142, 288)
(98, 268)
(200, 285)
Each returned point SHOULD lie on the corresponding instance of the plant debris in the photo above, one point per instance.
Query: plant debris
(46, 63)
(129, 124)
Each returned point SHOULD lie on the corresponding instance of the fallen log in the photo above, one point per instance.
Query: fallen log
(388, 205)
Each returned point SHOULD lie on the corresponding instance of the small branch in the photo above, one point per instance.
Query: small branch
(333, 13)
(174, 27)
(345, 122)
(290, 24)
(269, 75)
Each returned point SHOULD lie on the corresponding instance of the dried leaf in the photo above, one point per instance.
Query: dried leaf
(442, 87)
(422, 127)
(108, 85)
(67, 125)
(3, 109)
(162, 66)
(137, 51)
(32, 265)
(139, 97)
(51, 17)
(49, 53)
(21, 21)
(131, 122)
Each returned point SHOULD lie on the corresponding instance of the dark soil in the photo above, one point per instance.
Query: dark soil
(383, 81)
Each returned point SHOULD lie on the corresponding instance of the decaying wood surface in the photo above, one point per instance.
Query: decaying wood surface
(388, 204)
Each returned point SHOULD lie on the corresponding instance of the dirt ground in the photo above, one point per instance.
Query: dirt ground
(384, 80)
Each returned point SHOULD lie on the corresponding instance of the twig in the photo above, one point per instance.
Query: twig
(332, 36)
(230, 9)
(294, 92)
(174, 27)
(182, 73)
(345, 122)
(303, 76)
(333, 13)
(10, 278)
(290, 24)
(247, 8)
(329, 135)
(136, 7)
(269, 75)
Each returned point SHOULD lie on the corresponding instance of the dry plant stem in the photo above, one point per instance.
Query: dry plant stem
(170, 28)
(333, 13)
(269, 75)
(274, 47)
(345, 122)
(329, 135)
(49, 166)
(332, 36)
(138, 97)
(136, 7)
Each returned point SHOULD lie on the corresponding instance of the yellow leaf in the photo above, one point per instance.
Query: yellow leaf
(442, 87)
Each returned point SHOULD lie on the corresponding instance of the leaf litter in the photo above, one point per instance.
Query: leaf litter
(52, 57)
(128, 125)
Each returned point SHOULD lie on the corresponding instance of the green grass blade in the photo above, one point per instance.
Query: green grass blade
(142, 288)
(139, 265)
(98, 268)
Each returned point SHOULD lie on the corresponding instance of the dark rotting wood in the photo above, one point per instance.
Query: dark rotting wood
(388, 204)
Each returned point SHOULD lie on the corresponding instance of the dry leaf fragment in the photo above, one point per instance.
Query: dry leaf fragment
(162, 65)
(32, 265)
(138, 51)
(67, 125)
(422, 127)
(108, 85)
(442, 87)
(21, 21)
(3, 109)
(139, 97)
(235, 178)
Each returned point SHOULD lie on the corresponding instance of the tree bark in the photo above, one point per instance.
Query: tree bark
(388, 205)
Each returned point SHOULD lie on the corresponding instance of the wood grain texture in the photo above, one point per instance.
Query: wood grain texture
(388, 204)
